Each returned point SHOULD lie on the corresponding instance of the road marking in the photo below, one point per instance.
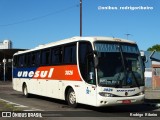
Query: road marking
(11, 103)
(20, 106)
(33, 109)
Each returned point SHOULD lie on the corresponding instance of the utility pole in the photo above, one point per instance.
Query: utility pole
(80, 18)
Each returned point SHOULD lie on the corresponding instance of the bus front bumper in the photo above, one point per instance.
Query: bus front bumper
(113, 101)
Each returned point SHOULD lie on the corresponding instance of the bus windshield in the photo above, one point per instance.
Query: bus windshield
(119, 65)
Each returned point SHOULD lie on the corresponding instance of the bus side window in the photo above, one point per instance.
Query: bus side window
(38, 58)
(15, 61)
(56, 55)
(70, 54)
(46, 57)
(21, 61)
(33, 59)
(29, 60)
(86, 62)
(25, 60)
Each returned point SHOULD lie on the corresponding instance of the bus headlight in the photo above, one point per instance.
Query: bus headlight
(104, 94)
(141, 93)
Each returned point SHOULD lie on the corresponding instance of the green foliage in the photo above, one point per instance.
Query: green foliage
(154, 47)
(8, 107)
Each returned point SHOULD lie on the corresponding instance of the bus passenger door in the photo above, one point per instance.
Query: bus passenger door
(87, 71)
(90, 86)
(90, 94)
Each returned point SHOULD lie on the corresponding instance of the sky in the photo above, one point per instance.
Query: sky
(29, 23)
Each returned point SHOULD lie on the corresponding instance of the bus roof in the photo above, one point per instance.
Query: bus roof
(76, 39)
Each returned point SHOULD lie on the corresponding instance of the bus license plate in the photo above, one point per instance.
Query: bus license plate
(126, 101)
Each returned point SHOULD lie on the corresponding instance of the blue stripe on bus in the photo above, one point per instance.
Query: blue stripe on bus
(24, 72)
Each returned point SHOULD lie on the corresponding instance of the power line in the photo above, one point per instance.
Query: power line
(40, 17)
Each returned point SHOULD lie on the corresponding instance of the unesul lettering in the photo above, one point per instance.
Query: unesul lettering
(36, 74)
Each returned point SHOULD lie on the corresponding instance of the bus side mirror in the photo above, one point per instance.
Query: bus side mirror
(144, 59)
(95, 59)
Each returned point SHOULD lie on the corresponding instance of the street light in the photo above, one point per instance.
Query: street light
(127, 35)
(4, 69)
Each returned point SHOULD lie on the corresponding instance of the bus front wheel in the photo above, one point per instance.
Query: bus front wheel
(71, 98)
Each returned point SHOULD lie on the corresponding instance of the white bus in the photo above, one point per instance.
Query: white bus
(96, 71)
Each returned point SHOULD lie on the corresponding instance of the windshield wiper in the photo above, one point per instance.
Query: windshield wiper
(120, 81)
(126, 72)
(123, 63)
(135, 80)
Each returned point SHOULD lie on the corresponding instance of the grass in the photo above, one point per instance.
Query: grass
(8, 107)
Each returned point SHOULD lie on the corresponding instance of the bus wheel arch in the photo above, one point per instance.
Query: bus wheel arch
(70, 97)
(25, 90)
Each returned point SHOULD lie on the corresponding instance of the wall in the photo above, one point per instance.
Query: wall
(152, 70)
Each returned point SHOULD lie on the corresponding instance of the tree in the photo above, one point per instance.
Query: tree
(154, 47)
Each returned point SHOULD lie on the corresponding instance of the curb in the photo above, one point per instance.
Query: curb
(152, 90)
(157, 105)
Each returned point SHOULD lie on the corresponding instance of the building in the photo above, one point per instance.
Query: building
(6, 44)
(152, 70)
(6, 55)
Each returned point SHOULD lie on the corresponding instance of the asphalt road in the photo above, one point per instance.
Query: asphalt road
(50, 108)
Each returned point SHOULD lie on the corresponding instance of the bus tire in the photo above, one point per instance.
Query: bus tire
(71, 98)
(25, 91)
